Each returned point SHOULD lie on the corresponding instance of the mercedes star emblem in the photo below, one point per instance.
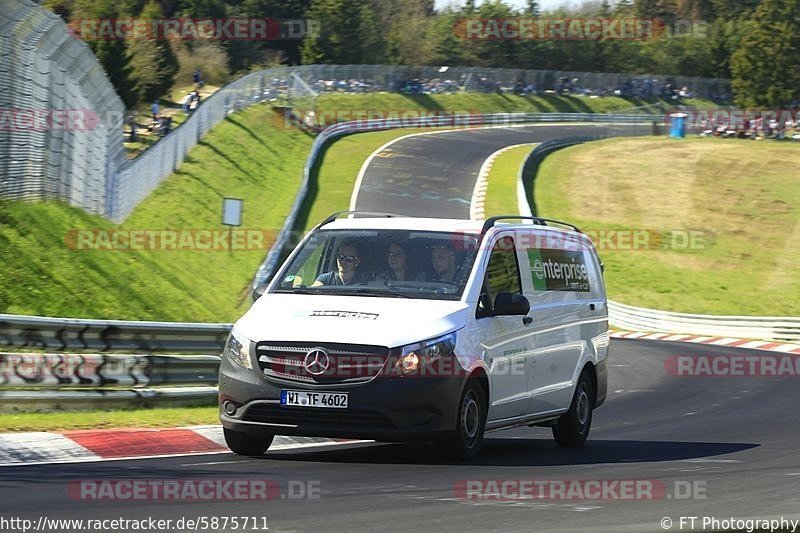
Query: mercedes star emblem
(316, 361)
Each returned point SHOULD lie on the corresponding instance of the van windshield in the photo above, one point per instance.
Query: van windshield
(382, 263)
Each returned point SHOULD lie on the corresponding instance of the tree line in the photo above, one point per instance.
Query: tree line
(756, 43)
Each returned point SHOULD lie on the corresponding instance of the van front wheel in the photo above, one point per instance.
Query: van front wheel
(465, 442)
(244, 444)
(573, 426)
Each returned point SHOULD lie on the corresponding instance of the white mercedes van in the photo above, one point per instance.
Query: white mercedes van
(396, 329)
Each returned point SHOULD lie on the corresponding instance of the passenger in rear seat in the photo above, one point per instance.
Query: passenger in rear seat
(399, 264)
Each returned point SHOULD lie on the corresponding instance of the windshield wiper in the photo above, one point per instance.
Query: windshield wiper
(368, 291)
(298, 290)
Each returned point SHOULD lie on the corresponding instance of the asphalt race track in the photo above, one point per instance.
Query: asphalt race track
(433, 175)
(721, 447)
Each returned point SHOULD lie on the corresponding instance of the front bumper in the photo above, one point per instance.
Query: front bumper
(387, 408)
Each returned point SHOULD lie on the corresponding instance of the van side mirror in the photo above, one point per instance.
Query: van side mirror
(507, 303)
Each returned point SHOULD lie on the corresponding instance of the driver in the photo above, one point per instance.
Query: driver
(347, 261)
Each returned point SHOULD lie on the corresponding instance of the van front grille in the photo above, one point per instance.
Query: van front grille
(320, 363)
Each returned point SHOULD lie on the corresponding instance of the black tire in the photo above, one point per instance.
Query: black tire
(465, 442)
(244, 444)
(573, 427)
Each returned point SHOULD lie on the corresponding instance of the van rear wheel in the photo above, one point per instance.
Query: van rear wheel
(244, 444)
(465, 442)
(572, 428)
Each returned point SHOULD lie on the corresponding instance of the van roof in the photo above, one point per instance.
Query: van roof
(438, 224)
(407, 223)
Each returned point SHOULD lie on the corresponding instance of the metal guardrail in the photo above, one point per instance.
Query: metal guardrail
(32, 380)
(60, 334)
(529, 168)
(49, 400)
(105, 371)
(748, 327)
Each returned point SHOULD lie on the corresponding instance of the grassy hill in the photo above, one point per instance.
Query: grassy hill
(251, 155)
(247, 156)
(737, 199)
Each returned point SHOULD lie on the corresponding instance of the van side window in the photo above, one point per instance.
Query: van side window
(502, 275)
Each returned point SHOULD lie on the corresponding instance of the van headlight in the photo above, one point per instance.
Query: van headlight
(238, 350)
(414, 358)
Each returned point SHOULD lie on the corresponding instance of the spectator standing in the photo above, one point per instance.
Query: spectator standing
(154, 110)
(166, 125)
(194, 100)
(132, 124)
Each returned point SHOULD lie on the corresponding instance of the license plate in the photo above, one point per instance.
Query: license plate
(305, 398)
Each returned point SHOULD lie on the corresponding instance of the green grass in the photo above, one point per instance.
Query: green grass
(140, 418)
(501, 190)
(249, 155)
(741, 197)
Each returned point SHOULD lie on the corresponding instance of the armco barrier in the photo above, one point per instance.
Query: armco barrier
(529, 168)
(105, 371)
(49, 400)
(60, 334)
(33, 381)
(747, 327)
